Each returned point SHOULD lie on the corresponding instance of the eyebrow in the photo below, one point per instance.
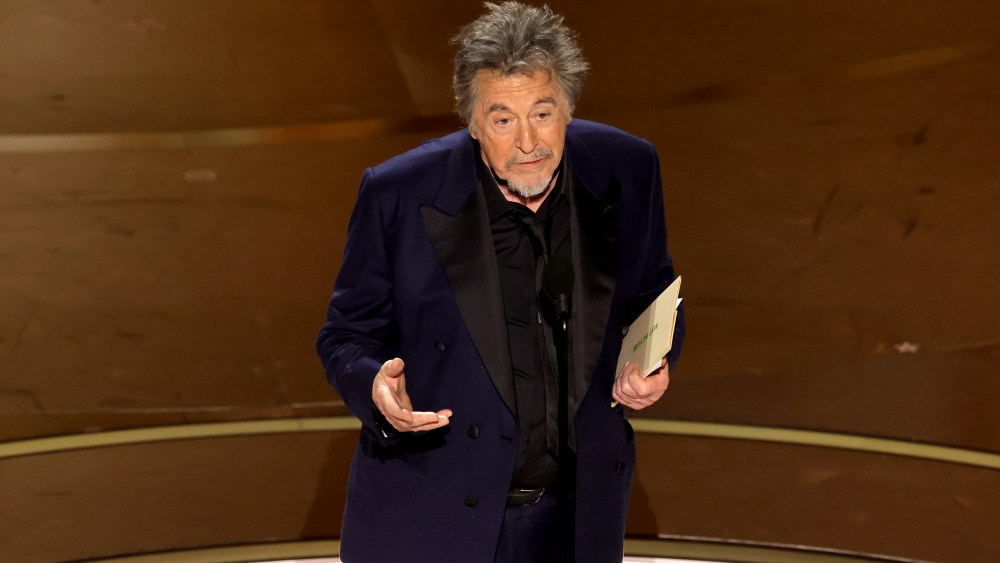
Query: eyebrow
(502, 107)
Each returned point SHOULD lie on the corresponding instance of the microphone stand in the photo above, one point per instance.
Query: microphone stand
(567, 466)
(558, 289)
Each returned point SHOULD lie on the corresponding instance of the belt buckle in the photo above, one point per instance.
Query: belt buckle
(538, 493)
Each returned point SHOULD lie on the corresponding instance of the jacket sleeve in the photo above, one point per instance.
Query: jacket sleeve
(659, 270)
(357, 337)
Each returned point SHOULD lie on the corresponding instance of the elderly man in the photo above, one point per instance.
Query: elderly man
(439, 335)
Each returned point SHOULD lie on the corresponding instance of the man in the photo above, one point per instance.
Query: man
(437, 338)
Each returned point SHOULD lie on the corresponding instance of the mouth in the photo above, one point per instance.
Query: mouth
(530, 164)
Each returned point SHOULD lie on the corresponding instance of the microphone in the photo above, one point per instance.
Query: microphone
(557, 289)
(557, 285)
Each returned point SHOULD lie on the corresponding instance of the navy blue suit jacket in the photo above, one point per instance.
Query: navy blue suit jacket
(419, 281)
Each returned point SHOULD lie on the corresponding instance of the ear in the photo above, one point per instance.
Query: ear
(473, 130)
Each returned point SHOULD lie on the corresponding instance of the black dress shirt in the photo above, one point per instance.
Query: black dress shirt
(523, 241)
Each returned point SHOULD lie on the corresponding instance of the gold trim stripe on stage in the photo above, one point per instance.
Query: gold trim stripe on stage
(238, 553)
(702, 549)
(734, 551)
(647, 426)
(177, 432)
(820, 439)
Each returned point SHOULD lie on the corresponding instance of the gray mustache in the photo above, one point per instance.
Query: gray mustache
(537, 154)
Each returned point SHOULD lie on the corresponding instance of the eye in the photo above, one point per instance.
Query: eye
(503, 121)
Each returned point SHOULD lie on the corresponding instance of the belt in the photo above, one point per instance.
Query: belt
(524, 497)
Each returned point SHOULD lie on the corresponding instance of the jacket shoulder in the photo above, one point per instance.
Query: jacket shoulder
(602, 153)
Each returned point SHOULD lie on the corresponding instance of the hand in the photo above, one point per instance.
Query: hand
(637, 392)
(389, 396)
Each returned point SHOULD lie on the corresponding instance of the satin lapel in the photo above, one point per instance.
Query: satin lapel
(464, 246)
(594, 229)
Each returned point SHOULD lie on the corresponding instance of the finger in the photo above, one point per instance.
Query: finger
(403, 421)
(629, 403)
(421, 418)
(642, 386)
(633, 402)
(629, 381)
(650, 386)
(389, 405)
(654, 385)
(651, 390)
(620, 380)
(404, 401)
(429, 420)
(661, 380)
(407, 420)
(618, 399)
(618, 392)
(643, 399)
(633, 393)
(392, 369)
(391, 376)
(386, 388)
(627, 397)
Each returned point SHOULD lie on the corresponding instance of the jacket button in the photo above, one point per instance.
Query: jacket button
(624, 330)
(470, 501)
(439, 345)
(473, 432)
(620, 468)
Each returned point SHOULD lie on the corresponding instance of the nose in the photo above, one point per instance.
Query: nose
(527, 138)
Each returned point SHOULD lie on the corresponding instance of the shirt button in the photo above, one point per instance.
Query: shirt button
(473, 432)
(471, 501)
(439, 345)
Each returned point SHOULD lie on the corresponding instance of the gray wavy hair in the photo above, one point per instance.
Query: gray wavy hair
(514, 38)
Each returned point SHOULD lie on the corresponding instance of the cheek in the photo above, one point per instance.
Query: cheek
(497, 153)
(557, 146)
(555, 139)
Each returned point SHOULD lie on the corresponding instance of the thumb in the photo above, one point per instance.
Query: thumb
(392, 369)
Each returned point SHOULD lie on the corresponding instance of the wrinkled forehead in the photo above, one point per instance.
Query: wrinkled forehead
(495, 90)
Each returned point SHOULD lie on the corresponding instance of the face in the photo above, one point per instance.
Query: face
(520, 123)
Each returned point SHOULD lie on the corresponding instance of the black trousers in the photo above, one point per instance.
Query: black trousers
(530, 534)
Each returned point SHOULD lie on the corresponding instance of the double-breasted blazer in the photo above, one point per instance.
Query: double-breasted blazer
(419, 281)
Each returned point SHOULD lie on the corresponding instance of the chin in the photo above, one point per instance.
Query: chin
(528, 190)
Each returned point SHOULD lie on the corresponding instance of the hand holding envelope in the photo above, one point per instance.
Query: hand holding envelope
(645, 348)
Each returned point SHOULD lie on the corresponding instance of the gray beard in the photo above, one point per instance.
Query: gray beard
(528, 191)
